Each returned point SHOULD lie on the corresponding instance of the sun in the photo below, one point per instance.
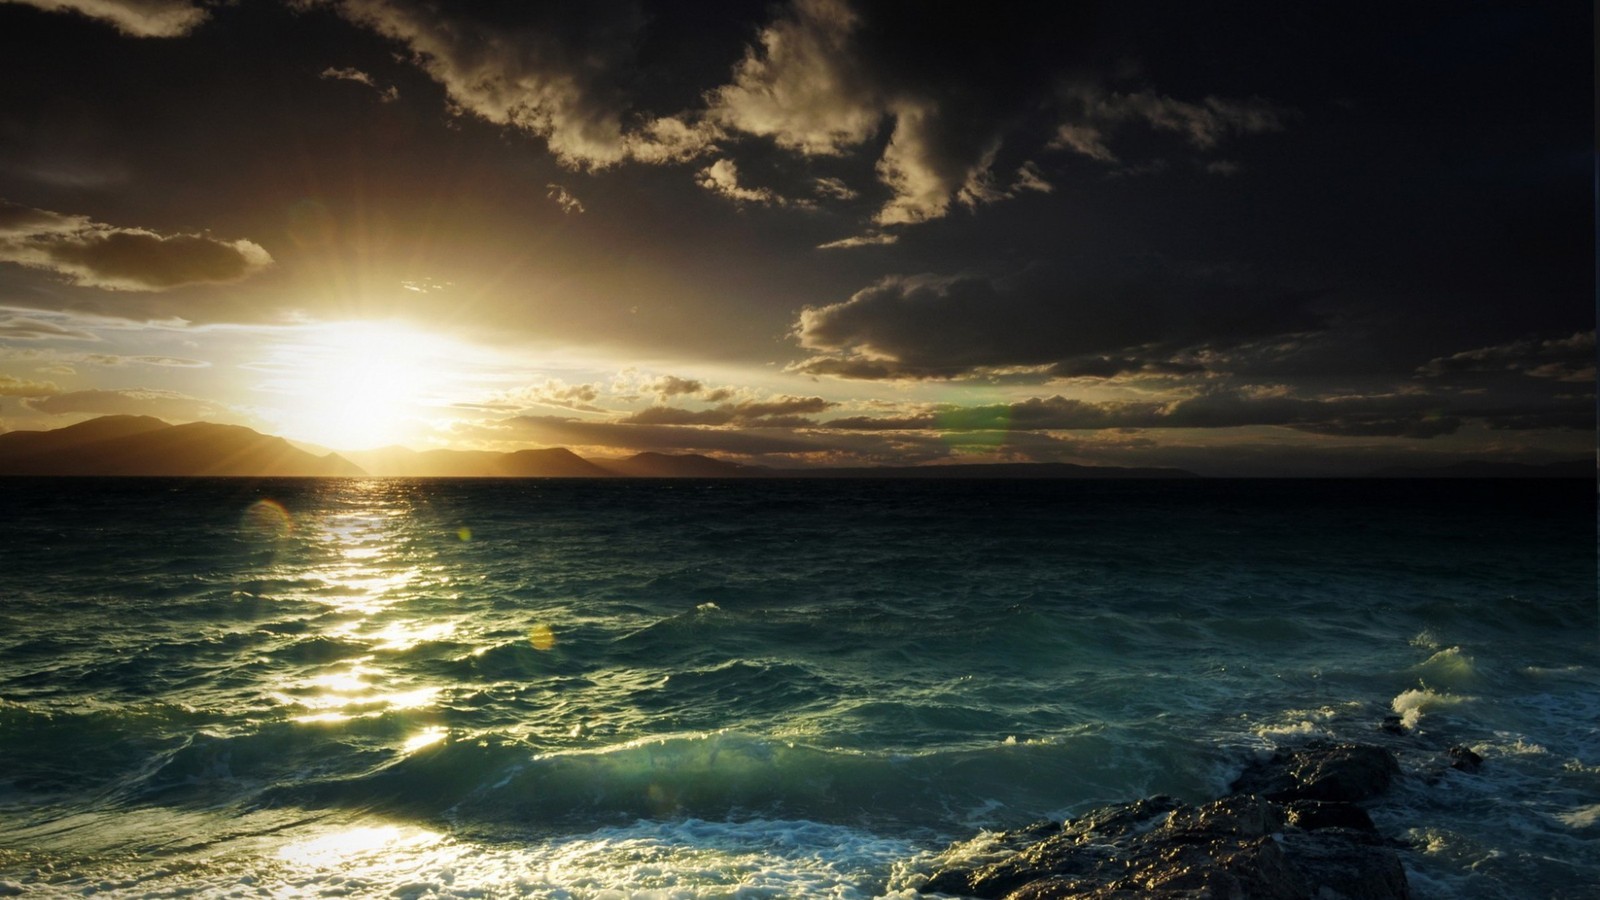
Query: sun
(357, 385)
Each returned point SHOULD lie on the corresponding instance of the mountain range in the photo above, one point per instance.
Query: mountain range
(146, 446)
(142, 445)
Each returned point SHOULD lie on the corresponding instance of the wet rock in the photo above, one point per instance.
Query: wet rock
(1463, 759)
(1314, 815)
(1308, 843)
(1242, 847)
(1078, 848)
(1321, 771)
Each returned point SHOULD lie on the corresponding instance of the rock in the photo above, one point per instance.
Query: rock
(1464, 760)
(1239, 847)
(1321, 771)
(1241, 815)
(1305, 840)
(1314, 815)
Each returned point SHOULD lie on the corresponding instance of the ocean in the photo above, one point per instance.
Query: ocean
(754, 689)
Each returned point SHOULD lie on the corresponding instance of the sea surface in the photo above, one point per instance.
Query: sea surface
(587, 689)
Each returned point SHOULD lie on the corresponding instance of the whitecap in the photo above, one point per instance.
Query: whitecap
(1411, 705)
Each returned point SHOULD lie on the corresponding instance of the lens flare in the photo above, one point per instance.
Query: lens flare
(267, 519)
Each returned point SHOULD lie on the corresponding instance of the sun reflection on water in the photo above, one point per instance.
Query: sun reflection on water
(363, 557)
(335, 696)
(341, 848)
(425, 738)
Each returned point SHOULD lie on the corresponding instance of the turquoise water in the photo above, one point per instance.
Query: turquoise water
(763, 688)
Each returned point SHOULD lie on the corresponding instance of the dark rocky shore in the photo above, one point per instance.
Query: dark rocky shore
(1291, 830)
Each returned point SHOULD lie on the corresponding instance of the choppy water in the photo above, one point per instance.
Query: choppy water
(763, 689)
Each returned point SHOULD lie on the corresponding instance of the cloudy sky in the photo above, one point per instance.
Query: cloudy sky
(1274, 239)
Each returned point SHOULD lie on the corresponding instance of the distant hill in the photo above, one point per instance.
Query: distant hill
(140, 445)
(1573, 468)
(557, 462)
(83, 434)
(684, 465)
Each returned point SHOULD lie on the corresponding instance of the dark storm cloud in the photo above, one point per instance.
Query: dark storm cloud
(134, 18)
(1087, 321)
(1568, 359)
(558, 71)
(123, 259)
(566, 73)
(1093, 114)
(1571, 416)
(826, 78)
(573, 432)
(931, 94)
(1409, 416)
(778, 412)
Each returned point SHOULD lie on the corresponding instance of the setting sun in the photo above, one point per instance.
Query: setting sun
(357, 385)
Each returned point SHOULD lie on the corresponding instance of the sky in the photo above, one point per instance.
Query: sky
(1242, 239)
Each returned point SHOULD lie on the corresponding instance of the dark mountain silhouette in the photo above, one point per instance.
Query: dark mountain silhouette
(684, 465)
(83, 434)
(140, 445)
(1571, 468)
(557, 462)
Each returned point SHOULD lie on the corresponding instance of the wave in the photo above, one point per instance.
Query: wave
(727, 775)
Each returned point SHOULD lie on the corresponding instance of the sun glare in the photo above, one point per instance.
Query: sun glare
(359, 385)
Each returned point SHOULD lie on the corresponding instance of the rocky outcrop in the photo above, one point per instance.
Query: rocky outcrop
(1346, 773)
(1291, 831)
